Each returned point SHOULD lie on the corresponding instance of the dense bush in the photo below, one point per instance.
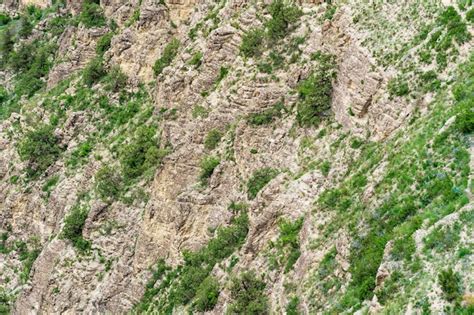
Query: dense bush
(40, 148)
(283, 14)
(260, 178)
(248, 295)
(92, 15)
(266, 116)
(108, 183)
(315, 93)
(287, 245)
(93, 72)
(196, 60)
(212, 139)
(26, 27)
(4, 19)
(103, 44)
(141, 154)
(450, 283)
(208, 165)
(73, 225)
(464, 106)
(207, 294)
(115, 79)
(292, 306)
(398, 87)
(168, 55)
(252, 43)
(6, 45)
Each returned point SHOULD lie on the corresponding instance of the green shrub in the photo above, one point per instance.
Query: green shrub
(208, 165)
(260, 178)
(73, 226)
(26, 27)
(4, 19)
(50, 183)
(196, 60)
(398, 87)
(207, 294)
(292, 306)
(92, 15)
(108, 183)
(450, 283)
(212, 139)
(79, 154)
(103, 44)
(21, 58)
(141, 154)
(282, 16)
(6, 44)
(93, 72)
(287, 246)
(252, 43)
(315, 93)
(115, 80)
(223, 72)
(470, 16)
(465, 114)
(168, 55)
(325, 168)
(248, 295)
(267, 116)
(40, 148)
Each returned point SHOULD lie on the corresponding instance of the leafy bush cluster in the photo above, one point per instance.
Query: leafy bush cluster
(208, 165)
(40, 148)
(92, 14)
(259, 179)
(283, 16)
(108, 183)
(212, 139)
(168, 55)
(248, 295)
(315, 93)
(94, 71)
(141, 154)
(287, 246)
(103, 44)
(73, 226)
(191, 282)
(398, 87)
(450, 282)
(267, 116)
(196, 60)
(464, 105)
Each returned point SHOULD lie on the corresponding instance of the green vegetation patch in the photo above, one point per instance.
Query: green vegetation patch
(169, 53)
(40, 148)
(73, 226)
(285, 251)
(259, 179)
(248, 295)
(315, 92)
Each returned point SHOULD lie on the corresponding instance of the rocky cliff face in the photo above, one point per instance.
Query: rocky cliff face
(236, 157)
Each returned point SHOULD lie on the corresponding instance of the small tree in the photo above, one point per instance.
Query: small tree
(450, 283)
(168, 55)
(40, 148)
(248, 293)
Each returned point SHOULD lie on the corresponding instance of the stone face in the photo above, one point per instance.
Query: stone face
(177, 212)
